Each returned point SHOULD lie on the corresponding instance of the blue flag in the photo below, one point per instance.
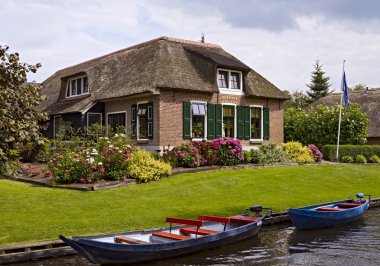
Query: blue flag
(345, 91)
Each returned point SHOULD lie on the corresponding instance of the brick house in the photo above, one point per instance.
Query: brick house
(165, 91)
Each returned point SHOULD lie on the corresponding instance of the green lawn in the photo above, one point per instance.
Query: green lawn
(30, 213)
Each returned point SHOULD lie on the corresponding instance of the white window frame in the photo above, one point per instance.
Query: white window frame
(262, 123)
(68, 86)
(137, 121)
(118, 112)
(191, 120)
(229, 90)
(235, 118)
(93, 113)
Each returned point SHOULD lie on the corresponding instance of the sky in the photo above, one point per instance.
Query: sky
(279, 39)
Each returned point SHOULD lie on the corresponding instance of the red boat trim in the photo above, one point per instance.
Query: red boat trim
(184, 221)
(225, 220)
(128, 240)
(349, 205)
(244, 219)
(328, 209)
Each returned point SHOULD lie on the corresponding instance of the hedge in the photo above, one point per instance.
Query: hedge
(329, 151)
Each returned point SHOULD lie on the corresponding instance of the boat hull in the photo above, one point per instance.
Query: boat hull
(113, 253)
(308, 218)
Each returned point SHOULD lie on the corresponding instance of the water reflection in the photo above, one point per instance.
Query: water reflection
(353, 244)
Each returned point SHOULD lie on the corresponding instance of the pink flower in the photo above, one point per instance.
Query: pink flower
(81, 180)
(48, 174)
(89, 180)
(102, 169)
(108, 159)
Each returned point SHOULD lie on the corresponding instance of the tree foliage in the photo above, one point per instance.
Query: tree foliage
(319, 85)
(298, 99)
(320, 126)
(18, 116)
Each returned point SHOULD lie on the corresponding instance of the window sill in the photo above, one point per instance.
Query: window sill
(230, 91)
(253, 141)
(142, 141)
(67, 98)
(198, 139)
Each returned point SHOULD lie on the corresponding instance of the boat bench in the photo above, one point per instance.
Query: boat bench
(128, 240)
(205, 232)
(195, 231)
(329, 209)
(244, 219)
(171, 220)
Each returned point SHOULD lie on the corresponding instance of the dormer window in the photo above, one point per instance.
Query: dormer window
(77, 86)
(229, 81)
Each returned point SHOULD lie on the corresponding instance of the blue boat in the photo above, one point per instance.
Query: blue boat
(191, 236)
(329, 214)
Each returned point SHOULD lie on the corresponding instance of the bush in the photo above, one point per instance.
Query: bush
(319, 126)
(113, 162)
(228, 151)
(145, 168)
(374, 159)
(271, 153)
(247, 157)
(347, 159)
(317, 154)
(256, 156)
(329, 151)
(186, 155)
(297, 153)
(360, 159)
(32, 152)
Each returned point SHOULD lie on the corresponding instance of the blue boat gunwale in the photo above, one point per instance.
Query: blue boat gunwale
(313, 207)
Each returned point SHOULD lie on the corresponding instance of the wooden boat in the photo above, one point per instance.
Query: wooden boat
(329, 214)
(188, 237)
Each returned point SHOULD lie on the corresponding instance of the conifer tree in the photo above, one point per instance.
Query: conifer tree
(319, 85)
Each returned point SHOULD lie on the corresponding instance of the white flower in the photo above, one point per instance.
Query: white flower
(106, 138)
(101, 138)
(116, 135)
(90, 160)
(100, 163)
(123, 135)
(111, 146)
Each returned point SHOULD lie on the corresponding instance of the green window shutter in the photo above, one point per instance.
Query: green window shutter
(186, 120)
(133, 120)
(218, 120)
(266, 123)
(210, 121)
(240, 122)
(150, 120)
(247, 122)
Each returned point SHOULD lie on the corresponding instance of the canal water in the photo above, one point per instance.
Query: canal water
(354, 244)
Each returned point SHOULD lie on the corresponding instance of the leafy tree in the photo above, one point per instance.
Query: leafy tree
(358, 87)
(18, 116)
(298, 99)
(319, 85)
(320, 126)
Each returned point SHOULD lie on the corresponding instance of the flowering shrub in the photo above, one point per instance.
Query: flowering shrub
(31, 171)
(297, 153)
(207, 152)
(187, 155)
(318, 156)
(271, 153)
(144, 167)
(228, 151)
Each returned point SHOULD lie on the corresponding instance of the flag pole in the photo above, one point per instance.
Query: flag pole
(340, 111)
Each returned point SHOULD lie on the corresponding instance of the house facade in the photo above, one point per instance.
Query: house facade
(165, 91)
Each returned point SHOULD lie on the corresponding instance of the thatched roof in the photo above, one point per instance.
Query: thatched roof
(160, 63)
(369, 100)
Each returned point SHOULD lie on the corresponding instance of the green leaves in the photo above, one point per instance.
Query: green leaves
(18, 116)
(320, 126)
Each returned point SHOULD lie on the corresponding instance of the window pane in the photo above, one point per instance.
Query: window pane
(256, 123)
(143, 126)
(202, 109)
(68, 91)
(198, 126)
(223, 79)
(195, 109)
(73, 87)
(85, 85)
(229, 121)
(116, 120)
(79, 86)
(235, 81)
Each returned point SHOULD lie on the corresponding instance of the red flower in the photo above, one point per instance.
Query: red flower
(102, 169)
(89, 180)
(81, 180)
(48, 174)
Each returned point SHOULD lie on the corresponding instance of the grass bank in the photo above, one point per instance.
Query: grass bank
(30, 213)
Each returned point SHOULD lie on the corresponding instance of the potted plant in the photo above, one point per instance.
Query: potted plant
(228, 126)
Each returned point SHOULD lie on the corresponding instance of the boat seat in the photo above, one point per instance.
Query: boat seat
(328, 209)
(244, 219)
(170, 236)
(128, 240)
(224, 220)
(349, 205)
(193, 230)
